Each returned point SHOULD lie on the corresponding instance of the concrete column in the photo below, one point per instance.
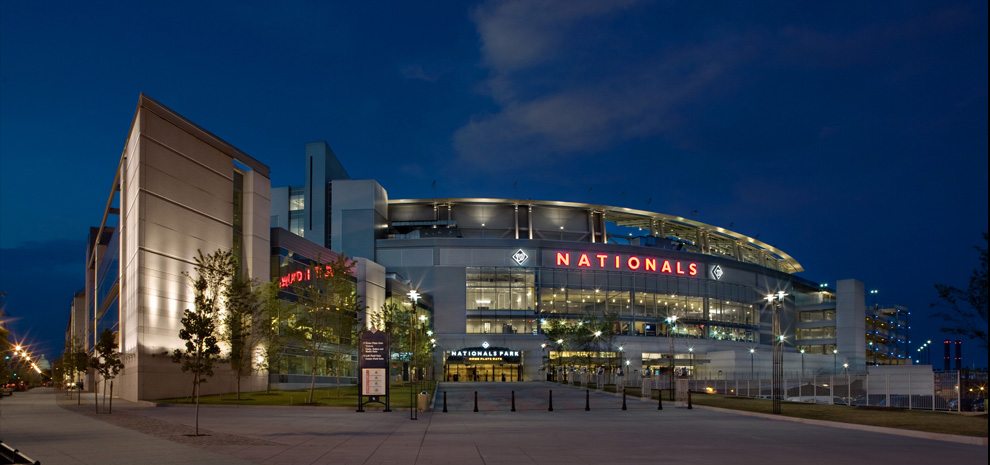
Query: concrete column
(850, 324)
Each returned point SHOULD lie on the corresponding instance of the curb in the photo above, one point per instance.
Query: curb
(970, 440)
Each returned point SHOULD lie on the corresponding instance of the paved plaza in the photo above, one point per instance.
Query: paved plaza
(55, 432)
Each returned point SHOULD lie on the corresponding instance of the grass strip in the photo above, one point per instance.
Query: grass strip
(918, 420)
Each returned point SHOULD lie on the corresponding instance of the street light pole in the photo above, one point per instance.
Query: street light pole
(671, 320)
(835, 356)
(776, 301)
(413, 297)
(752, 355)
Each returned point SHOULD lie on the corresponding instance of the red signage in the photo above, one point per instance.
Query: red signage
(300, 276)
(606, 261)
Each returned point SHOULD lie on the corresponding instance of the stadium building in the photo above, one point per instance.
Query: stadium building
(498, 277)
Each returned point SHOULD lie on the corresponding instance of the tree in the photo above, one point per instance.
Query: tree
(270, 332)
(76, 362)
(326, 314)
(106, 361)
(405, 334)
(241, 327)
(199, 326)
(964, 312)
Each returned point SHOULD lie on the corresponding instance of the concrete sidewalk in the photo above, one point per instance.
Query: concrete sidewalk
(296, 435)
(32, 422)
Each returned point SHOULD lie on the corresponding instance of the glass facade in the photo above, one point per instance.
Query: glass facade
(501, 300)
(337, 359)
(515, 300)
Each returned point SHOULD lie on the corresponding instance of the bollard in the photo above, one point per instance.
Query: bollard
(550, 408)
(587, 400)
(689, 400)
(659, 399)
(623, 398)
(444, 401)
(475, 401)
(513, 401)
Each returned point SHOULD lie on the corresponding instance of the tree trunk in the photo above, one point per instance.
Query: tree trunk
(196, 391)
(96, 397)
(110, 409)
(238, 384)
(312, 378)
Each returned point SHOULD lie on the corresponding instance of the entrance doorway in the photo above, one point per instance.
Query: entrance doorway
(483, 372)
(483, 364)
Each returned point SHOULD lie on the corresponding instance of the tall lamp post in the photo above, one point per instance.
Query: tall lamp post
(835, 357)
(671, 320)
(800, 378)
(413, 297)
(752, 355)
(845, 367)
(776, 302)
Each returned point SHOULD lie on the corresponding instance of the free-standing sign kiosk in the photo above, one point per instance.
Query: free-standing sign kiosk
(373, 356)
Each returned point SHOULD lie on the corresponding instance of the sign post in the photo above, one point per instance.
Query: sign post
(373, 358)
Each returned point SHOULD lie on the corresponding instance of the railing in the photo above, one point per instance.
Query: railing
(931, 391)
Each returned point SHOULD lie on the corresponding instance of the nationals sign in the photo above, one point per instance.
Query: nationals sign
(624, 262)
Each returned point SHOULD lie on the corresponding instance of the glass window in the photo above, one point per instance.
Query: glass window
(297, 200)
(296, 224)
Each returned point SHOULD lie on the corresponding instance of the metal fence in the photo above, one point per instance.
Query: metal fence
(947, 391)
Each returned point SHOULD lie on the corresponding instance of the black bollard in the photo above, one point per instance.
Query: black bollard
(475, 401)
(689, 400)
(624, 399)
(444, 401)
(513, 401)
(587, 400)
(550, 408)
(659, 399)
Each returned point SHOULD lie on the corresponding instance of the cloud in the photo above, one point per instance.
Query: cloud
(416, 72)
(562, 94)
(518, 34)
(635, 100)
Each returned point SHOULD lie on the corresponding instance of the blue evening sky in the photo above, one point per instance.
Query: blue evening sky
(852, 135)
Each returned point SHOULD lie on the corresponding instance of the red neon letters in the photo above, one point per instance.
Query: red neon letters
(300, 276)
(629, 262)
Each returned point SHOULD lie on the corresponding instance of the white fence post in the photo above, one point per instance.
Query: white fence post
(910, 392)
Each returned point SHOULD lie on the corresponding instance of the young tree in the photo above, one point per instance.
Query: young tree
(327, 313)
(76, 362)
(106, 361)
(964, 312)
(199, 326)
(270, 332)
(241, 327)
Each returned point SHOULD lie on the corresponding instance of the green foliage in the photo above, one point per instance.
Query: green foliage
(106, 359)
(241, 326)
(325, 320)
(407, 333)
(214, 273)
(964, 312)
(272, 313)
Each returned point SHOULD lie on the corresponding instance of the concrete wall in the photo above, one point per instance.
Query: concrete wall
(177, 199)
(358, 214)
(850, 324)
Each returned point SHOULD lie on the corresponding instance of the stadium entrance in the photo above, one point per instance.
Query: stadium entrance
(483, 364)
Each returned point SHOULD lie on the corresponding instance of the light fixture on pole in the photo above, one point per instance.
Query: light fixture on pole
(671, 321)
(835, 355)
(776, 303)
(413, 295)
(752, 355)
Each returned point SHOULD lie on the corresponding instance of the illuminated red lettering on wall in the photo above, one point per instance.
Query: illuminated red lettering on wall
(607, 261)
(294, 277)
